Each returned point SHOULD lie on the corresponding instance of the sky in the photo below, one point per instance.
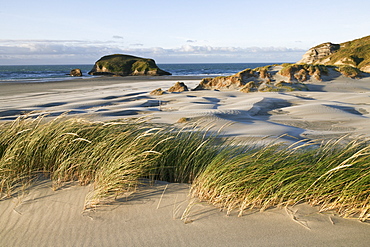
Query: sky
(172, 31)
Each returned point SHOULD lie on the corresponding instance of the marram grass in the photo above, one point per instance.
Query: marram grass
(333, 176)
(115, 156)
(112, 156)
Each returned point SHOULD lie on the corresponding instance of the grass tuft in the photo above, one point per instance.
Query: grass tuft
(349, 71)
(115, 156)
(333, 176)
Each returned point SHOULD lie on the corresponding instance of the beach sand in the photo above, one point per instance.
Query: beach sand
(44, 217)
(329, 110)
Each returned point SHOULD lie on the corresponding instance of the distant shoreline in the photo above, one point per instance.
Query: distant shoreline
(19, 87)
(57, 73)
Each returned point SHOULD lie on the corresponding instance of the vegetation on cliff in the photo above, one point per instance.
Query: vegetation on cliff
(355, 53)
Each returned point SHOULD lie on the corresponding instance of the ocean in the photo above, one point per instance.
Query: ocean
(44, 73)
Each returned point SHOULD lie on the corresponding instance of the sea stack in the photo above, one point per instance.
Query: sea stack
(75, 72)
(126, 65)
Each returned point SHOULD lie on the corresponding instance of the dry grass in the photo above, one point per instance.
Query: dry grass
(114, 157)
(302, 72)
(183, 120)
(333, 176)
(349, 71)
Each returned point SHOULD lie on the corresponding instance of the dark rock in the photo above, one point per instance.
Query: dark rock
(75, 72)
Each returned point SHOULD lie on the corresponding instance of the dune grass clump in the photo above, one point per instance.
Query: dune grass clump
(301, 72)
(333, 176)
(115, 156)
(183, 120)
(349, 71)
(111, 156)
(263, 71)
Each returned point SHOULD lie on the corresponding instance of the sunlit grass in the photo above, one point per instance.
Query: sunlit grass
(111, 156)
(114, 156)
(333, 176)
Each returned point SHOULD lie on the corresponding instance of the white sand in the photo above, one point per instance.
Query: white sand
(341, 106)
(47, 218)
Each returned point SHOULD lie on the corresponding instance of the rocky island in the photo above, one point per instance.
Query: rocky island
(126, 65)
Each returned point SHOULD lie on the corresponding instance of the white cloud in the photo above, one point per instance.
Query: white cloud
(77, 51)
(137, 44)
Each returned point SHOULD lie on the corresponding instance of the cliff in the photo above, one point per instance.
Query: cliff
(354, 53)
(124, 65)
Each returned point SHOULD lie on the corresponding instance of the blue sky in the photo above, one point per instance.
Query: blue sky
(170, 31)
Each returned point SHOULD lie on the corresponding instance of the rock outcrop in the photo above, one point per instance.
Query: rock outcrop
(178, 88)
(157, 91)
(319, 53)
(126, 65)
(355, 53)
(303, 72)
(227, 82)
(263, 79)
(75, 72)
(309, 72)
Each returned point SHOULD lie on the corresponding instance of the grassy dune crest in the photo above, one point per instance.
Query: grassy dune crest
(333, 176)
(111, 156)
(115, 156)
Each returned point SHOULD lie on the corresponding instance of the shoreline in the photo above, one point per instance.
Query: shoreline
(19, 87)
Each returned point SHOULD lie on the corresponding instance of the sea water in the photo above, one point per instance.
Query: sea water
(44, 73)
(39, 73)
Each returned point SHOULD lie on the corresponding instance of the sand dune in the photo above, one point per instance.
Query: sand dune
(152, 218)
(55, 218)
(309, 114)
